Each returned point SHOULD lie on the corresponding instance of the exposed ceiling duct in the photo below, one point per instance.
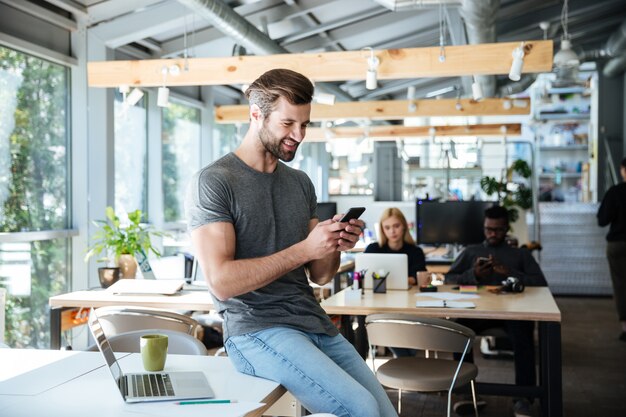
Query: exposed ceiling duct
(517, 86)
(229, 22)
(616, 47)
(396, 5)
(480, 24)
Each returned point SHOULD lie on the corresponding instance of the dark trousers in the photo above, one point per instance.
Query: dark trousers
(616, 255)
(521, 334)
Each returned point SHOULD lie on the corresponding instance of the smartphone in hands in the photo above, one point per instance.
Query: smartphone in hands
(482, 261)
(353, 213)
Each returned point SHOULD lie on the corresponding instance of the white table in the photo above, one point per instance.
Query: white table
(78, 384)
(196, 300)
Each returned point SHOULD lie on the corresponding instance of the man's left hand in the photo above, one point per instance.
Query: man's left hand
(349, 236)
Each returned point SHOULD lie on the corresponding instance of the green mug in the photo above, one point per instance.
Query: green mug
(153, 351)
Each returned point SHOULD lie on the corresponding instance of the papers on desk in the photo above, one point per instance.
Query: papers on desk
(445, 304)
(446, 300)
(168, 409)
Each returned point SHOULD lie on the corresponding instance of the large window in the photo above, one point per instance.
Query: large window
(131, 166)
(181, 156)
(34, 192)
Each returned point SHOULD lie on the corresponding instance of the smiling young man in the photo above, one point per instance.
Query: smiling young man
(257, 238)
(488, 264)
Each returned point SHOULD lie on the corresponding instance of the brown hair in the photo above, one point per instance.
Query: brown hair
(280, 82)
(393, 212)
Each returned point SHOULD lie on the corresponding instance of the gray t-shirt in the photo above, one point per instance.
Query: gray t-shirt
(269, 212)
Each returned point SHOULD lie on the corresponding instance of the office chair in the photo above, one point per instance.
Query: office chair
(178, 342)
(422, 374)
(123, 319)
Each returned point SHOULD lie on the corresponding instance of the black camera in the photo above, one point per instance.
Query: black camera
(512, 284)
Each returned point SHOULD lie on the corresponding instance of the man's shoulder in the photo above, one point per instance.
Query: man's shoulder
(220, 166)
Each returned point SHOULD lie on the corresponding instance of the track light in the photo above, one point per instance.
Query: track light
(133, 97)
(410, 96)
(324, 98)
(163, 96)
(371, 77)
(518, 63)
(477, 90)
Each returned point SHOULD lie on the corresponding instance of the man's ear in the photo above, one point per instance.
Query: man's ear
(255, 113)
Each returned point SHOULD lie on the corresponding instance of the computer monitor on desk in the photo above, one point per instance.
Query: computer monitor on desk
(450, 222)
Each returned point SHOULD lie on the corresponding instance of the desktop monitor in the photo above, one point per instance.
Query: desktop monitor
(326, 210)
(450, 222)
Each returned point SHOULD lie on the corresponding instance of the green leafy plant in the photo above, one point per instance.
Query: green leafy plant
(511, 195)
(113, 238)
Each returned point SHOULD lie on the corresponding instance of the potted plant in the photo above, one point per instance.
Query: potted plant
(512, 193)
(122, 242)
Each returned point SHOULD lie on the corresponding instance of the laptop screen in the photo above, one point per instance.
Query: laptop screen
(104, 346)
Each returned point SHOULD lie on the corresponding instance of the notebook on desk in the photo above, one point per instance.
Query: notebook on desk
(397, 264)
(144, 286)
(149, 386)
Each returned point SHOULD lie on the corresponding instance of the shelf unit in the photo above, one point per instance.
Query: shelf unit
(564, 138)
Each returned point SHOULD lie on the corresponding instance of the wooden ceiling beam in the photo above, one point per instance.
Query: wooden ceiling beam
(398, 132)
(394, 109)
(487, 58)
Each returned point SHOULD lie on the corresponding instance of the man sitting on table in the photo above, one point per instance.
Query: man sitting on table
(490, 263)
(254, 225)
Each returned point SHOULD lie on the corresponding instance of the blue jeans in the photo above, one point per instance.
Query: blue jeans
(326, 374)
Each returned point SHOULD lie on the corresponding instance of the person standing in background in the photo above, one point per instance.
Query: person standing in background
(613, 211)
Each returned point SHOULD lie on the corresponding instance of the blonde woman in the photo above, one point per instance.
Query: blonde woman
(394, 237)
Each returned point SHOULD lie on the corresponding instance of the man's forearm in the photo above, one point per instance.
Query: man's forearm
(323, 270)
(236, 277)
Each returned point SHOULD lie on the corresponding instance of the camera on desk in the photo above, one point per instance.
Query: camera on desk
(512, 284)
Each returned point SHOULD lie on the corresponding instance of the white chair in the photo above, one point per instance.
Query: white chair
(423, 374)
(178, 342)
(122, 319)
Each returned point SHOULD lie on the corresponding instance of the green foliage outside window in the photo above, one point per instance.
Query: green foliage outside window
(33, 189)
(180, 140)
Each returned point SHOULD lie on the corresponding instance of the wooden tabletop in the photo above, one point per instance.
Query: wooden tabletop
(535, 303)
(184, 300)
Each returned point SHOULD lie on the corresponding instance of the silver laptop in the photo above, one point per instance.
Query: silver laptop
(397, 264)
(149, 386)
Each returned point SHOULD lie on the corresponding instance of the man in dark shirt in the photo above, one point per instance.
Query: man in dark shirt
(489, 264)
(613, 211)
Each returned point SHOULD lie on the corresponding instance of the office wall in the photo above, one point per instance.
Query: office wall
(373, 209)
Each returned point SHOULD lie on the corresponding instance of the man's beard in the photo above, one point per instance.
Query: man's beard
(274, 145)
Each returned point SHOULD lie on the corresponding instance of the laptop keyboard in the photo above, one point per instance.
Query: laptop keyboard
(152, 385)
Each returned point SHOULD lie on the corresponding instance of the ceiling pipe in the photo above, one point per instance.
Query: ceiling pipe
(397, 5)
(616, 47)
(518, 86)
(615, 66)
(233, 25)
(480, 24)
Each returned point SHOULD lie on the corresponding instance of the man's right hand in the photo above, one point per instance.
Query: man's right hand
(483, 268)
(323, 239)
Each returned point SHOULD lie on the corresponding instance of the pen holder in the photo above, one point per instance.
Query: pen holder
(379, 283)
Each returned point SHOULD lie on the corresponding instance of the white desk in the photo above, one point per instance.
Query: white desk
(77, 384)
(196, 300)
